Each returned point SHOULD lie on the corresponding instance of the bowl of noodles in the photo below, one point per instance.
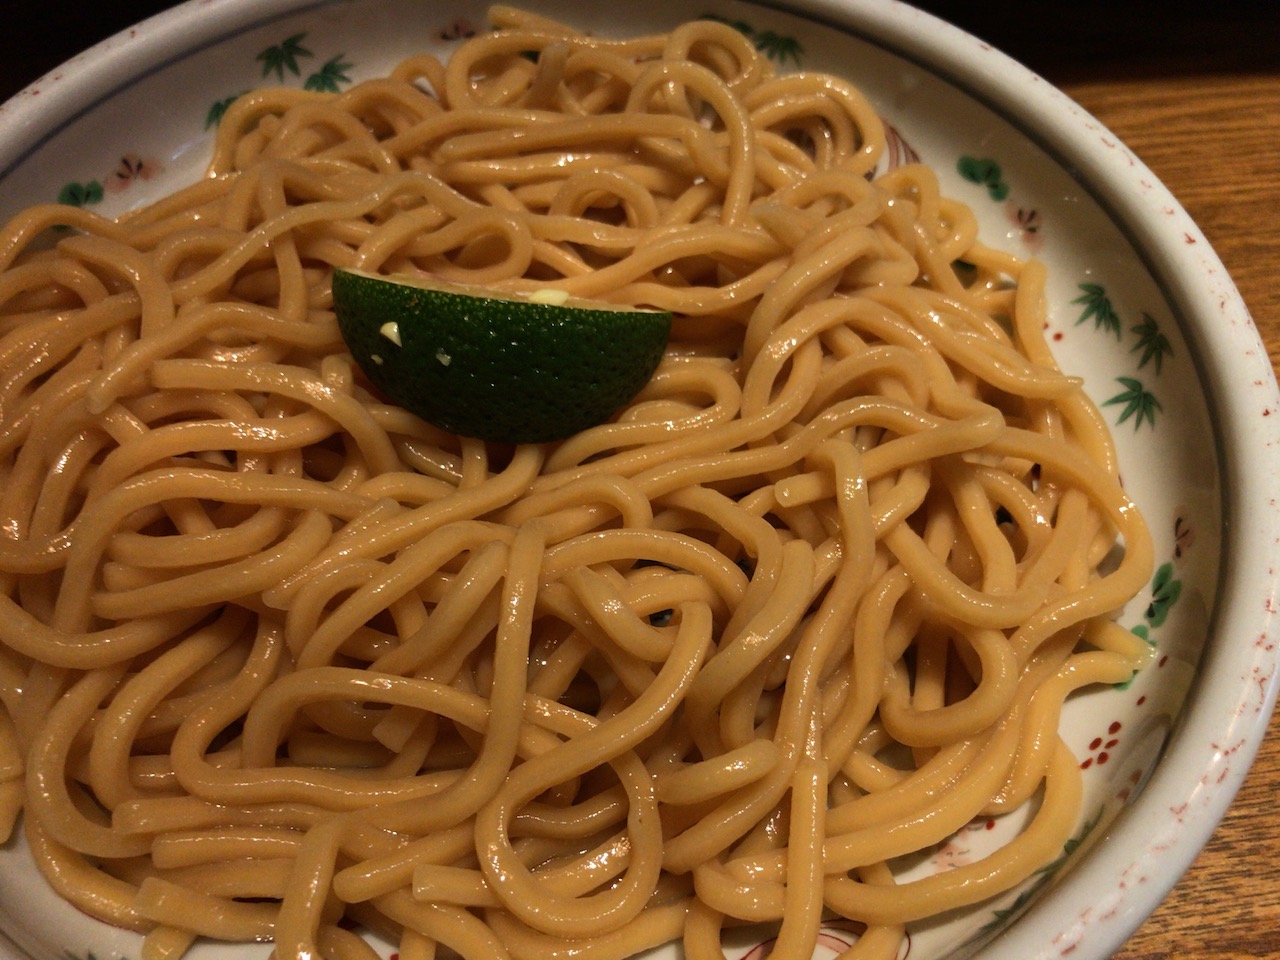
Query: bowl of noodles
(909, 610)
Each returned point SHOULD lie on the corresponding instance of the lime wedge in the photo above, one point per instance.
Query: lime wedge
(497, 366)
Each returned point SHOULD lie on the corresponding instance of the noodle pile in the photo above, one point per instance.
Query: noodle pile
(281, 661)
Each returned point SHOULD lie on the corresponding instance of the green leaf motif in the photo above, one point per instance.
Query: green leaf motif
(1001, 915)
(985, 172)
(1165, 590)
(1139, 403)
(329, 76)
(1143, 633)
(284, 57)
(778, 47)
(1153, 344)
(76, 194)
(214, 116)
(775, 46)
(1098, 306)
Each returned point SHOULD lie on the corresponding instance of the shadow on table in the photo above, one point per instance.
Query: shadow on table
(1074, 40)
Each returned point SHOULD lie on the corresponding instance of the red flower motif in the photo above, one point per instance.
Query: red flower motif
(1027, 221)
(1183, 535)
(1101, 747)
(131, 167)
(460, 29)
(898, 152)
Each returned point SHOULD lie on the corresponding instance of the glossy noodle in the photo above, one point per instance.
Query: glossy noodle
(282, 661)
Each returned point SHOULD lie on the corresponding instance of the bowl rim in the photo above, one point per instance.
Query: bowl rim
(1242, 390)
(1203, 759)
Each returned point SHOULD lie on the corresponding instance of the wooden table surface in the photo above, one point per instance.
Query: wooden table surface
(1197, 97)
(1201, 106)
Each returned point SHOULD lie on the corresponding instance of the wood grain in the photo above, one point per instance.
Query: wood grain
(1196, 95)
(1214, 140)
(1194, 91)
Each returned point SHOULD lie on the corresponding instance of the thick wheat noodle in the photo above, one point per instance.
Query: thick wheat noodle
(281, 661)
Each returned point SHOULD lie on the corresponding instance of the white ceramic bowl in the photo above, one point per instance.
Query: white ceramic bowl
(1140, 307)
